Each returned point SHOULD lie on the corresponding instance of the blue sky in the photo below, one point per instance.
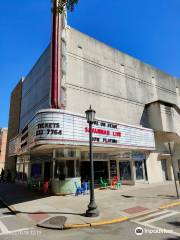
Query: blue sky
(146, 29)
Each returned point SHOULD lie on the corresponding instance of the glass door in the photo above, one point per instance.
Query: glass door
(139, 168)
(125, 170)
(164, 169)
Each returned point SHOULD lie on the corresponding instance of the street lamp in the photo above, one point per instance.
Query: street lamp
(92, 210)
(169, 146)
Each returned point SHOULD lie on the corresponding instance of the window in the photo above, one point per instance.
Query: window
(60, 153)
(139, 170)
(64, 169)
(70, 168)
(36, 170)
(71, 153)
(77, 168)
(125, 170)
(60, 171)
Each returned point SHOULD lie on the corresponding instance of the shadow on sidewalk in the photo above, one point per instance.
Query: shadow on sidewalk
(14, 193)
(167, 196)
(172, 238)
(41, 212)
(142, 197)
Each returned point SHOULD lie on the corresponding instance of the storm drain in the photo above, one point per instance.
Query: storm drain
(53, 222)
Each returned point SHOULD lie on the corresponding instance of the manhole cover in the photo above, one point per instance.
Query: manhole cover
(53, 222)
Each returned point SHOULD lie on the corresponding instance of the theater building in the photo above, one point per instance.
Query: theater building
(137, 111)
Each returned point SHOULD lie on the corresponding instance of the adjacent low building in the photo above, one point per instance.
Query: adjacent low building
(3, 141)
(137, 111)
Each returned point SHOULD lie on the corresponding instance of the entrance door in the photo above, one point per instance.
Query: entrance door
(139, 170)
(47, 170)
(85, 170)
(125, 170)
(100, 169)
(164, 169)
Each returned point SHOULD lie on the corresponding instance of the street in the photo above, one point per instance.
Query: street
(166, 220)
(11, 225)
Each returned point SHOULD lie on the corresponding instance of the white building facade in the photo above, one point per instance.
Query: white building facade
(137, 111)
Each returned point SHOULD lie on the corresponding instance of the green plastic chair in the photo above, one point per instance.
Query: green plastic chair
(103, 183)
(119, 183)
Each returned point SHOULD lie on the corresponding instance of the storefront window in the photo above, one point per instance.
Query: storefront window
(60, 153)
(125, 170)
(36, 170)
(70, 168)
(71, 153)
(139, 170)
(64, 169)
(113, 168)
(77, 168)
(83, 155)
(60, 170)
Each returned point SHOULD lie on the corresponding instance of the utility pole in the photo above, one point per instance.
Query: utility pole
(172, 162)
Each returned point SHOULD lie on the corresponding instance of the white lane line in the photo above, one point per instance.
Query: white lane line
(152, 215)
(3, 228)
(161, 217)
(17, 230)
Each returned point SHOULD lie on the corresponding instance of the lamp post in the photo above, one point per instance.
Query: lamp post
(168, 145)
(92, 210)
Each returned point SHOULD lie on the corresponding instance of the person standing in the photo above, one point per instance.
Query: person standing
(8, 175)
(2, 175)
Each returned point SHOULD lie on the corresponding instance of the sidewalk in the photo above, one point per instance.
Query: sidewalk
(112, 204)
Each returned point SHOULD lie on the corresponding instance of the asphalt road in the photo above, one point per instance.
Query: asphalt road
(162, 225)
(12, 225)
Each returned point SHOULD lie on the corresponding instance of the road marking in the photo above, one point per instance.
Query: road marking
(15, 231)
(161, 217)
(152, 215)
(167, 213)
(3, 228)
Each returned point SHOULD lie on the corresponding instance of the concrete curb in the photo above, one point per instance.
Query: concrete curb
(98, 223)
(117, 220)
(11, 208)
(169, 205)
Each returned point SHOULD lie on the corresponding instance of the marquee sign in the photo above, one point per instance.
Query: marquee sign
(66, 128)
(61, 127)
